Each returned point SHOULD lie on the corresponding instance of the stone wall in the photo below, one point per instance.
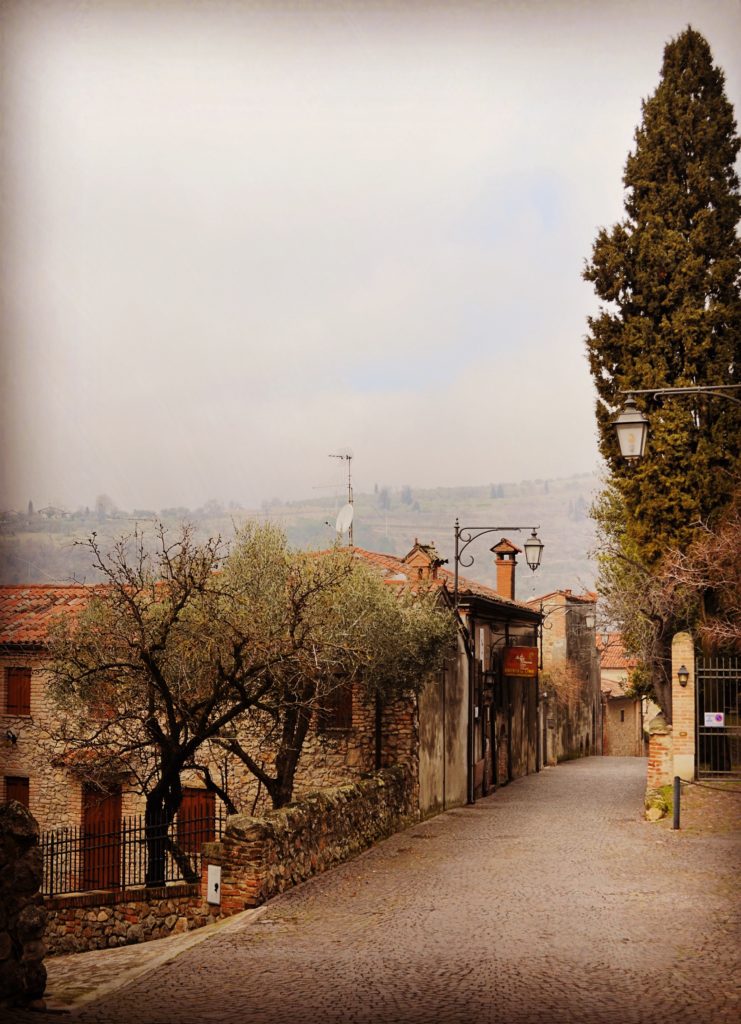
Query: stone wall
(100, 920)
(22, 917)
(260, 857)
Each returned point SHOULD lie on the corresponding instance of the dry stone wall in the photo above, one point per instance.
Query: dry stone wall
(103, 920)
(22, 916)
(260, 857)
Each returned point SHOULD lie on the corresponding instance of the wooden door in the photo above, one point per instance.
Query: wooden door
(196, 819)
(101, 832)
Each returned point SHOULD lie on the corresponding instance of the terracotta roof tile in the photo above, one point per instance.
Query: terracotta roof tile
(26, 611)
(612, 653)
(396, 571)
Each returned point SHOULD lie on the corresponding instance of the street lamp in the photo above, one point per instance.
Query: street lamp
(465, 535)
(631, 425)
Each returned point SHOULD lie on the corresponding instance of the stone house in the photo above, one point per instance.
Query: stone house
(571, 675)
(469, 729)
(626, 717)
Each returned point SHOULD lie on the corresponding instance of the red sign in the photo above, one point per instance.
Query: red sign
(521, 661)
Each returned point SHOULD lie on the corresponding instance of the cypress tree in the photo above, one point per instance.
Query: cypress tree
(668, 277)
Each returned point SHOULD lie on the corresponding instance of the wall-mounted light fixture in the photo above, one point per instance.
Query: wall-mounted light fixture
(683, 675)
(10, 736)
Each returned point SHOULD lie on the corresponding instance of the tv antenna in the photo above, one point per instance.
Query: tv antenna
(345, 517)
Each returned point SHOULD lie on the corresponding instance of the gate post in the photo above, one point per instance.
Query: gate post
(683, 707)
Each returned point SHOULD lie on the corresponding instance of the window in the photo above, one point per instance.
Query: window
(16, 788)
(18, 691)
(336, 713)
(622, 715)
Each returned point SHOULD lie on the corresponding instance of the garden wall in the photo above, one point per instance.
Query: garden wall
(260, 857)
(100, 920)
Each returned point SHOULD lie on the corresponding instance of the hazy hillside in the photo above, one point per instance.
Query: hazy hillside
(34, 549)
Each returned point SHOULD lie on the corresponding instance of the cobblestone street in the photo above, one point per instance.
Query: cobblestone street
(551, 900)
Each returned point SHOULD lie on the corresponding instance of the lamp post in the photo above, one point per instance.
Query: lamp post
(465, 535)
(631, 425)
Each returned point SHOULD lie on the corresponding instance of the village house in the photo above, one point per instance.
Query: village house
(474, 727)
(626, 714)
(570, 675)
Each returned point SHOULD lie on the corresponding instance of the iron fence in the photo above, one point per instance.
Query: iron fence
(718, 690)
(132, 854)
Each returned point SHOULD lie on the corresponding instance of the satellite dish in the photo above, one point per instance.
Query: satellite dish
(344, 518)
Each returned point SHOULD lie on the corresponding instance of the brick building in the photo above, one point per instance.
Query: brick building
(626, 716)
(570, 676)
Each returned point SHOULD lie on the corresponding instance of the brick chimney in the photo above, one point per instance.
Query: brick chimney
(505, 553)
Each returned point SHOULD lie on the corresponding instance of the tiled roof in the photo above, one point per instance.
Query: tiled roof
(395, 570)
(612, 653)
(26, 611)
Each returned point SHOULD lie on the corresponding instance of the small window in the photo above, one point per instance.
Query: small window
(336, 714)
(18, 691)
(16, 788)
(622, 715)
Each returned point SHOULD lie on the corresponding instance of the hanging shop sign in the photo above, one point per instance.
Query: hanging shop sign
(521, 661)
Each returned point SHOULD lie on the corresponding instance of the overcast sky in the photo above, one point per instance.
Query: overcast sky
(239, 238)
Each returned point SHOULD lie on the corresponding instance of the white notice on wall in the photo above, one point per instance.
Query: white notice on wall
(715, 719)
(213, 893)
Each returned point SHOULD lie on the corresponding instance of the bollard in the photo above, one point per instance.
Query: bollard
(677, 791)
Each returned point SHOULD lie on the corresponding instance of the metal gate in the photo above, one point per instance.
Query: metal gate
(718, 689)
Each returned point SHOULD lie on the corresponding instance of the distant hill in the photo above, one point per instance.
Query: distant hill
(36, 548)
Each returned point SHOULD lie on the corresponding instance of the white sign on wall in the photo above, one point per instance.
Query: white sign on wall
(715, 719)
(213, 893)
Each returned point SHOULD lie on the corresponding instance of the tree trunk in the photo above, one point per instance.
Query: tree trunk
(295, 727)
(161, 808)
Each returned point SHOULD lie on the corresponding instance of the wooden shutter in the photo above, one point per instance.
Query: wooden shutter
(337, 714)
(18, 684)
(16, 788)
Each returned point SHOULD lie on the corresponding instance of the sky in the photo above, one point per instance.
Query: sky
(240, 237)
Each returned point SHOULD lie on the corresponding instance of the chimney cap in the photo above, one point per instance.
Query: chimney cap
(505, 547)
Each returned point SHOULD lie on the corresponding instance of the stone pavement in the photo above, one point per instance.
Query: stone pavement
(551, 900)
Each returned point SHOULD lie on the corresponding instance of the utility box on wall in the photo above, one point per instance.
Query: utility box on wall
(213, 891)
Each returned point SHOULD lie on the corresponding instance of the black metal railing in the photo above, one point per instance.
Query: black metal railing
(718, 690)
(132, 854)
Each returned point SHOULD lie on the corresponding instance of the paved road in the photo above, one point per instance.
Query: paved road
(551, 900)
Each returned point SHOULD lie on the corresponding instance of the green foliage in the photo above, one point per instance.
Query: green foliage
(189, 645)
(669, 277)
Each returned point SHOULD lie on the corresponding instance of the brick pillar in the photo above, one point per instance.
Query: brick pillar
(683, 707)
(660, 765)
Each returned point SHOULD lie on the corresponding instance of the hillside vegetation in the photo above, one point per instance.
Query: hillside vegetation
(37, 549)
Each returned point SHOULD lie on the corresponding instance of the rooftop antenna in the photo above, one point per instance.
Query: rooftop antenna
(345, 517)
